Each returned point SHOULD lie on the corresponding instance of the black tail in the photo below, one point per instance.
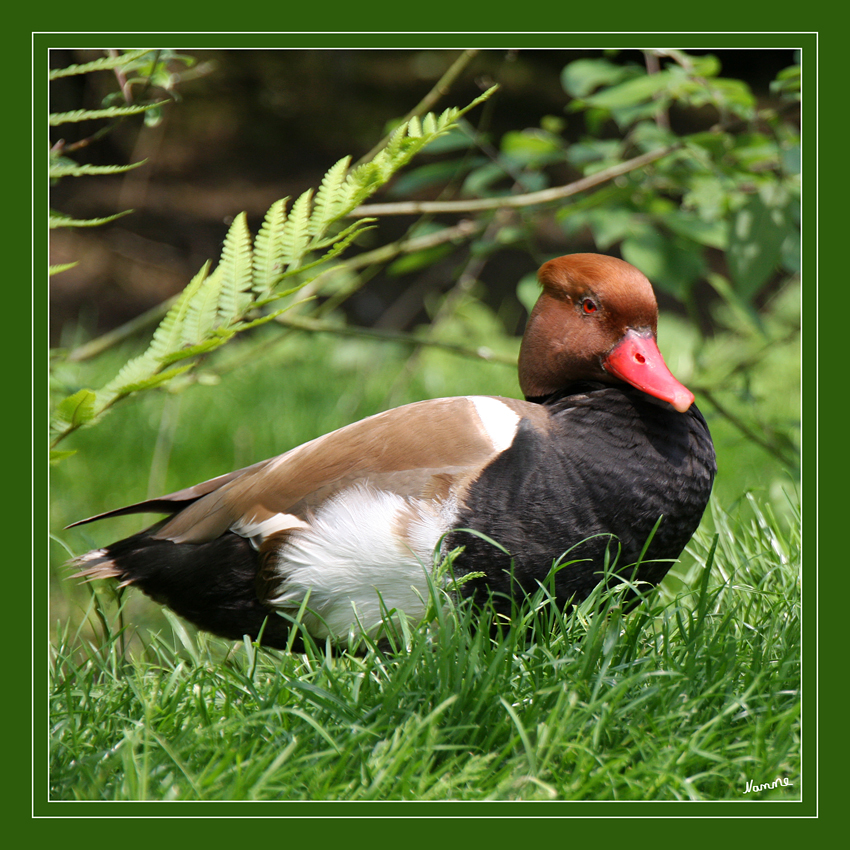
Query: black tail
(213, 585)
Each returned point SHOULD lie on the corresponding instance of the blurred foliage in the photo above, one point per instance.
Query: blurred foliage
(718, 208)
(145, 80)
(677, 169)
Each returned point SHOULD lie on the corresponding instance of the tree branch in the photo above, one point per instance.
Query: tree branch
(316, 326)
(544, 196)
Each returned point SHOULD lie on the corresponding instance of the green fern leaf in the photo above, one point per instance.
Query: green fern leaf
(219, 337)
(169, 335)
(105, 64)
(202, 309)
(57, 118)
(364, 181)
(430, 125)
(62, 267)
(338, 244)
(133, 372)
(211, 309)
(76, 409)
(328, 205)
(67, 170)
(294, 240)
(352, 231)
(151, 381)
(268, 249)
(236, 272)
(57, 219)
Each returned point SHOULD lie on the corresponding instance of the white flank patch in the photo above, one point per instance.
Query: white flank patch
(499, 421)
(364, 547)
(258, 530)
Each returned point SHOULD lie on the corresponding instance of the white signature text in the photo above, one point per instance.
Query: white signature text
(767, 786)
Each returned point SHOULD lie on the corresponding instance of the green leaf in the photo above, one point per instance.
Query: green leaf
(430, 175)
(584, 76)
(611, 225)
(57, 455)
(152, 381)
(62, 267)
(57, 118)
(267, 264)
(57, 219)
(77, 409)
(532, 147)
(418, 260)
(712, 234)
(756, 236)
(202, 310)
(636, 92)
(669, 265)
(73, 170)
(169, 335)
(330, 201)
(528, 291)
(294, 240)
(482, 181)
(236, 269)
(106, 64)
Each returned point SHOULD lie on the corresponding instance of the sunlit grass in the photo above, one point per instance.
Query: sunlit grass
(683, 698)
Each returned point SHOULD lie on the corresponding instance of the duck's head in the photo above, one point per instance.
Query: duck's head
(595, 320)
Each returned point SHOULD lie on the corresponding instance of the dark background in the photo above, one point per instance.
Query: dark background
(253, 126)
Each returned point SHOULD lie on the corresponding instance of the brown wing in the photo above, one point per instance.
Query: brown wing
(401, 449)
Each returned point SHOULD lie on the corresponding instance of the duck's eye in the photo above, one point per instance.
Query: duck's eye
(589, 306)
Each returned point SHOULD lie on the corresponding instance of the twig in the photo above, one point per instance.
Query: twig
(440, 89)
(653, 66)
(528, 199)
(121, 77)
(316, 326)
(727, 414)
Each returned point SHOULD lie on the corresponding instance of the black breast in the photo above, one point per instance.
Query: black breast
(595, 482)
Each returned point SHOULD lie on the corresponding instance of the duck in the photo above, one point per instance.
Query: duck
(606, 460)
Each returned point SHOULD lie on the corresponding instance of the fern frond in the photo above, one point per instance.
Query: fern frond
(105, 64)
(347, 235)
(202, 309)
(61, 267)
(57, 118)
(236, 272)
(151, 380)
(76, 409)
(132, 373)
(338, 244)
(68, 170)
(61, 220)
(220, 336)
(268, 249)
(169, 335)
(329, 202)
(293, 242)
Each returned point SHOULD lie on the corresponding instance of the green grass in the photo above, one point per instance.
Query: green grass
(687, 697)
(683, 698)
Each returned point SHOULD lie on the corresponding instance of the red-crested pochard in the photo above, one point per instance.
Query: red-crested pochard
(606, 442)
